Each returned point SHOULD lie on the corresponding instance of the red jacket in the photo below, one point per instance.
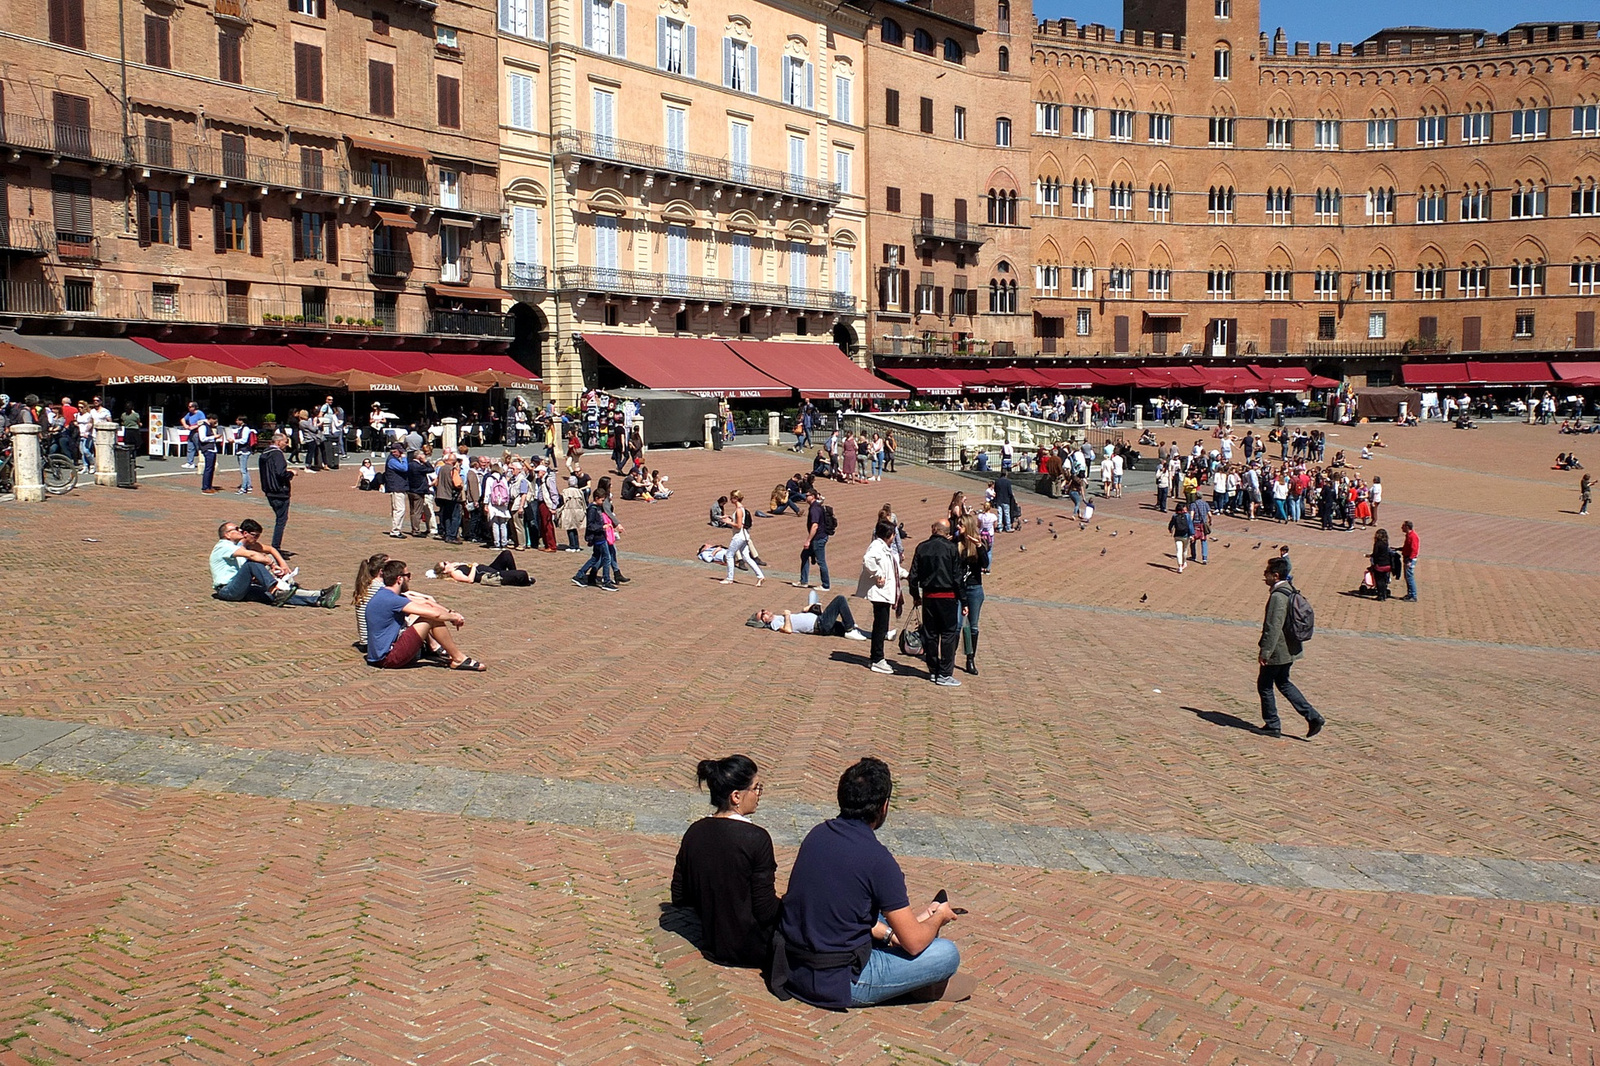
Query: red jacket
(1411, 547)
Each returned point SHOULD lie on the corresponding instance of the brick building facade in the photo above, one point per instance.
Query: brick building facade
(1200, 188)
(252, 171)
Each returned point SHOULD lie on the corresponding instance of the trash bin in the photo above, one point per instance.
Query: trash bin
(127, 463)
(330, 453)
(716, 436)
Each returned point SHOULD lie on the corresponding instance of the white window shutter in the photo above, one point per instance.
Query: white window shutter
(619, 30)
(727, 62)
(538, 13)
(811, 87)
(588, 23)
(688, 51)
(525, 235)
(505, 17)
(661, 42)
(754, 85)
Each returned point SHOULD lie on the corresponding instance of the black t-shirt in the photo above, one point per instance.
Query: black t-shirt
(843, 878)
(815, 517)
(726, 871)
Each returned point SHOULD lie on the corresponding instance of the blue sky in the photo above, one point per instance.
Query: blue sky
(1356, 20)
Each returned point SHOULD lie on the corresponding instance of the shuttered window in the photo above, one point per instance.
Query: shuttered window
(72, 123)
(891, 107)
(157, 41)
(927, 114)
(519, 100)
(308, 72)
(380, 88)
(74, 208)
(449, 102)
(230, 57)
(256, 246)
(66, 22)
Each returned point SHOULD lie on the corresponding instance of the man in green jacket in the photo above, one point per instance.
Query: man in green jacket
(1278, 652)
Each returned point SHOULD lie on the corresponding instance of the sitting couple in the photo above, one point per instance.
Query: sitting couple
(243, 568)
(845, 934)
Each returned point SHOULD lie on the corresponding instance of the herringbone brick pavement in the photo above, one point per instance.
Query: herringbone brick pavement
(149, 925)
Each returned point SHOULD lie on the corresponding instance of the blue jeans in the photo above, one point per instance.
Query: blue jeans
(254, 582)
(1005, 518)
(87, 446)
(891, 972)
(1411, 579)
(836, 619)
(598, 565)
(818, 551)
(244, 471)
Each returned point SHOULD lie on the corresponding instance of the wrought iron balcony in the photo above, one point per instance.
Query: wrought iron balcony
(469, 323)
(24, 236)
(389, 263)
(530, 276)
(704, 290)
(949, 231)
(44, 135)
(579, 146)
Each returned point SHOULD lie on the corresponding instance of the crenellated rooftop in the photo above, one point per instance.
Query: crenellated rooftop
(1068, 30)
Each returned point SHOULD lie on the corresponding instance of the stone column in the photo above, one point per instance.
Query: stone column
(25, 457)
(1227, 415)
(711, 423)
(1533, 411)
(638, 423)
(1088, 417)
(774, 428)
(1183, 414)
(449, 435)
(105, 458)
(1138, 417)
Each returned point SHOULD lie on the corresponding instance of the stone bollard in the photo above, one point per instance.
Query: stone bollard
(1138, 417)
(711, 427)
(105, 456)
(1183, 414)
(1533, 413)
(25, 457)
(1088, 417)
(774, 428)
(449, 435)
(1227, 415)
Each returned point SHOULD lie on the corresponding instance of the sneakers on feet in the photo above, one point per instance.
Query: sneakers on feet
(330, 596)
(282, 596)
(891, 634)
(948, 681)
(609, 586)
(856, 634)
(882, 667)
(580, 582)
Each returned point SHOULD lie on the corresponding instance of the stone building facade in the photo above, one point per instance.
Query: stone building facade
(1200, 188)
(252, 171)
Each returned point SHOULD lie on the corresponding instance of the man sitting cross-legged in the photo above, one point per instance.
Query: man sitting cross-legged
(398, 628)
(240, 572)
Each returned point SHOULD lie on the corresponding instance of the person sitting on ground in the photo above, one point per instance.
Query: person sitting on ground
(239, 573)
(501, 571)
(717, 511)
(726, 870)
(400, 628)
(1147, 439)
(367, 476)
(658, 485)
(848, 936)
(834, 620)
(1377, 442)
(636, 486)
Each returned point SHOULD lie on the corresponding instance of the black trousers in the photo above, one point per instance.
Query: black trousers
(880, 629)
(941, 630)
(280, 512)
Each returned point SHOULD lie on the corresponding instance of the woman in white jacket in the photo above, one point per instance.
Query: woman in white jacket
(880, 584)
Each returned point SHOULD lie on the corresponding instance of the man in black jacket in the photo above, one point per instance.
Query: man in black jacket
(936, 577)
(1005, 501)
(275, 479)
(417, 492)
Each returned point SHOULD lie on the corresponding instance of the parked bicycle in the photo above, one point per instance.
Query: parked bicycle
(57, 471)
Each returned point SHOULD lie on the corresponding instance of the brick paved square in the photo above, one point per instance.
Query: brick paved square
(192, 906)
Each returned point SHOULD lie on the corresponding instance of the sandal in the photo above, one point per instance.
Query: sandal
(469, 663)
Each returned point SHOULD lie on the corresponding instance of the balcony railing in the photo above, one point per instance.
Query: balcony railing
(456, 271)
(580, 144)
(25, 236)
(77, 247)
(531, 276)
(469, 323)
(59, 138)
(338, 313)
(949, 229)
(397, 188)
(1341, 349)
(708, 290)
(389, 263)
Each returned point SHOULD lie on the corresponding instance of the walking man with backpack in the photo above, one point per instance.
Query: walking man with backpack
(1284, 631)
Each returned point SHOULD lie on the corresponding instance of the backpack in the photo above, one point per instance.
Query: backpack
(748, 520)
(1301, 621)
(250, 438)
(830, 524)
(500, 494)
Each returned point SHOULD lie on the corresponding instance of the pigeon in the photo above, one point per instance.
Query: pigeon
(1145, 598)
(1227, 545)
(1038, 521)
(1255, 546)
(1054, 535)
(1097, 529)
(1102, 551)
(1022, 547)
(1052, 525)
(924, 499)
(1113, 532)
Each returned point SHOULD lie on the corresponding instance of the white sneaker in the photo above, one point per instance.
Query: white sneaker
(856, 634)
(188, 466)
(890, 635)
(882, 667)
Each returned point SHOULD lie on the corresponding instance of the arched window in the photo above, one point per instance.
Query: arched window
(891, 32)
(1002, 17)
(922, 41)
(1222, 63)
(1004, 60)
(953, 52)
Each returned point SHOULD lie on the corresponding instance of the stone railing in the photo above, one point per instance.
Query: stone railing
(935, 438)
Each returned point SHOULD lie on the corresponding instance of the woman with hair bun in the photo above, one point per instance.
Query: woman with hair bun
(726, 868)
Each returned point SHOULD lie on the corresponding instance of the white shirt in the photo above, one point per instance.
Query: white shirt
(803, 622)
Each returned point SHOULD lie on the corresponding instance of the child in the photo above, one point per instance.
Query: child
(988, 522)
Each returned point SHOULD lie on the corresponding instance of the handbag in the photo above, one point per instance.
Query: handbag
(911, 634)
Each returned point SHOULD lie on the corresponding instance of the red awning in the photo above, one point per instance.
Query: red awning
(338, 360)
(379, 147)
(1436, 374)
(819, 371)
(1113, 375)
(1292, 378)
(1576, 371)
(397, 219)
(929, 381)
(468, 292)
(1531, 373)
(978, 379)
(687, 364)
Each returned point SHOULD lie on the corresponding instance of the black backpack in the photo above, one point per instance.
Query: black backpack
(1301, 621)
(830, 524)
